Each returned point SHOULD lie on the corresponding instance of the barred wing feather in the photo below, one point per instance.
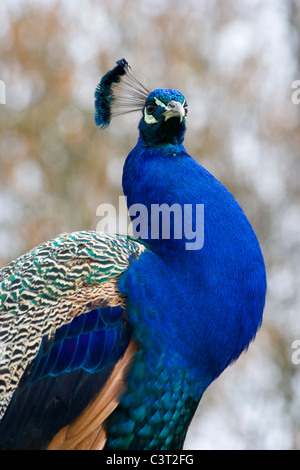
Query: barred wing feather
(61, 311)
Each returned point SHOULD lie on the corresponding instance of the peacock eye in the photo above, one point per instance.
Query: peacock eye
(150, 108)
(186, 109)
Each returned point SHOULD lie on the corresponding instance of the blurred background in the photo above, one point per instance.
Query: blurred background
(235, 62)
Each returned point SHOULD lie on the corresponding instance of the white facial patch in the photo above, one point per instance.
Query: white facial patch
(169, 111)
(160, 103)
(149, 118)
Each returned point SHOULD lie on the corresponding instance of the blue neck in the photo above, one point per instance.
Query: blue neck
(201, 307)
(224, 274)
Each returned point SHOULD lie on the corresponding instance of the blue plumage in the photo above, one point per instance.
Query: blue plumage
(91, 341)
(190, 301)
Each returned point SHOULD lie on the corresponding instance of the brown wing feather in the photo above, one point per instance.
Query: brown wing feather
(88, 431)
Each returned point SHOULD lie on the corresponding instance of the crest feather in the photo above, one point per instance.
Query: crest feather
(119, 92)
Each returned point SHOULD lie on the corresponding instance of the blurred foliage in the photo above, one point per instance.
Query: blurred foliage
(235, 61)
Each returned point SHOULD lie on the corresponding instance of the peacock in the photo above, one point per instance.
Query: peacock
(109, 341)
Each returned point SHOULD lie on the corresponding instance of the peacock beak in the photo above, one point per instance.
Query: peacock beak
(174, 109)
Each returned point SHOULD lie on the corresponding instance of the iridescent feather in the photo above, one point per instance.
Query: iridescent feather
(49, 286)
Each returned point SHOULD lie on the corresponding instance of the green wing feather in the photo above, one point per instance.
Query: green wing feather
(45, 288)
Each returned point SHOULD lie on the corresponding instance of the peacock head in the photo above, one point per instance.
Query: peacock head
(163, 119)
(163, 111)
